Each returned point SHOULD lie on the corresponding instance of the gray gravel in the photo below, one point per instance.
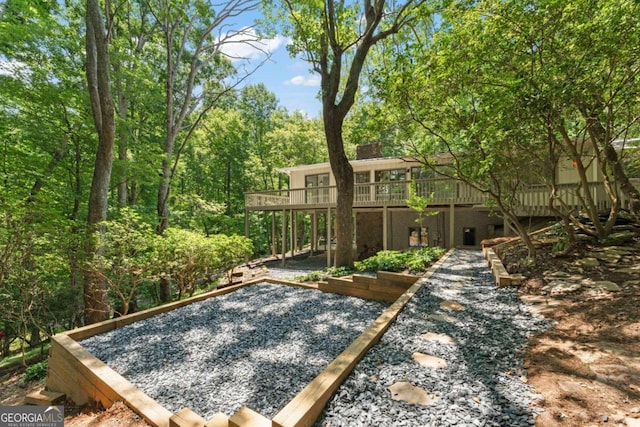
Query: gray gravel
(481, 384)
(293, 268)
(258, 346)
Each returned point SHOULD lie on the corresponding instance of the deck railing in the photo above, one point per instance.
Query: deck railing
(444, 191)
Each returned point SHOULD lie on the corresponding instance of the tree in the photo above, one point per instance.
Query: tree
(96, 303)
(335, 38)
(127, 259)
(490, 90)
(195, 73)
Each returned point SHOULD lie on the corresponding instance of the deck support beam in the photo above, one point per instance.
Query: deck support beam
(385, 228)
(273, 234)
(452, 225)
(314, 231)
(293, 217)
(284, 235)
(328, 236)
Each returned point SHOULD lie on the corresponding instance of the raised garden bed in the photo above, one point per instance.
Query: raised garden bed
(83, 377)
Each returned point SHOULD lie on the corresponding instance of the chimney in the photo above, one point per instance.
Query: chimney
(369, 151)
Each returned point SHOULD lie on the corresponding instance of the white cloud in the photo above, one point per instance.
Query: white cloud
(313, 80)
(245, 45)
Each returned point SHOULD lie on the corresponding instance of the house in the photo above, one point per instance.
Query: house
(460, 215)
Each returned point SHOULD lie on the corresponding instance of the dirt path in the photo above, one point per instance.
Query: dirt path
(587, 366)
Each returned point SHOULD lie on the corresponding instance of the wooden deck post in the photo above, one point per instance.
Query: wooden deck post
(452, 229)
(284, 234)
(329, 236)
(292, 236)
(273, 234)
(385, 226)
(246, 230)
(314, 231)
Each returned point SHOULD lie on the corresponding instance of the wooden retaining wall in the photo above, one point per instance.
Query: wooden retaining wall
(84, 378)
(502, 276)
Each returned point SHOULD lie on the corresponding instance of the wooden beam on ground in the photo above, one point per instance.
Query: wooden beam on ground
(246, 417)
(84, 378)
(185, 417)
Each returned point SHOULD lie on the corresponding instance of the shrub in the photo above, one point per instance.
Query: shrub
(35, 372)
(339, 271)
(420, 259)
(384, 260)
(314, 276)
(415, 260)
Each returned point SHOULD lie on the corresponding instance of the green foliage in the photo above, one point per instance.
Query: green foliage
(232, 250)
(339, 271)
(419, 203)
(314, 276)
(420, 259)
(189, 258)
(385, 261)
(36, 371)
(415, 260)
(125, 257)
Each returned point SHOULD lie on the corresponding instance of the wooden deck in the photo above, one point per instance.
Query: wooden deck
(533, 201)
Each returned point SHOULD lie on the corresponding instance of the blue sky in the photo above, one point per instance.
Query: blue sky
(290, 79)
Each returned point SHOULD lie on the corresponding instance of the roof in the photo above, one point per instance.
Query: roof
(372, 162)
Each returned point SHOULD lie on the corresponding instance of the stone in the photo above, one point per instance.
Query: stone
(560, 287)
(441, 338)
(556, 274)
(608, 255)
(429, 361)
(632, 422)
(588, 262)
(604, 285)
(451, 305)
(442, 318)
(620, 238)
(617, 417)
(570, 387)
(411, 394)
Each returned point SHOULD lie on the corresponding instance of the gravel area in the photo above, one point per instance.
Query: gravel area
(297, 267)
(258, 346)
(483, 382)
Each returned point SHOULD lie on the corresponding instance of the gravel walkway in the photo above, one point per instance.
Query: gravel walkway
(258, 346)
(474, 378)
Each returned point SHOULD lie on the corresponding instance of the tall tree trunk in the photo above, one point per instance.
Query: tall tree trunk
(343, 173)
(96, 304)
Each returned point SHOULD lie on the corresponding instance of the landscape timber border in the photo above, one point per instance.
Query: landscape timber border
(502, 276)
(83, 378)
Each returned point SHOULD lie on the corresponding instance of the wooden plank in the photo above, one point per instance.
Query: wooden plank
(363, 279)
(356, 292)
(305, 408)
(384, 289)
(347, 283)
(409, 279)
(246, 417)
(90, 378)
(391, 284)
(42, 397)
(185, 417)
(218, 420)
